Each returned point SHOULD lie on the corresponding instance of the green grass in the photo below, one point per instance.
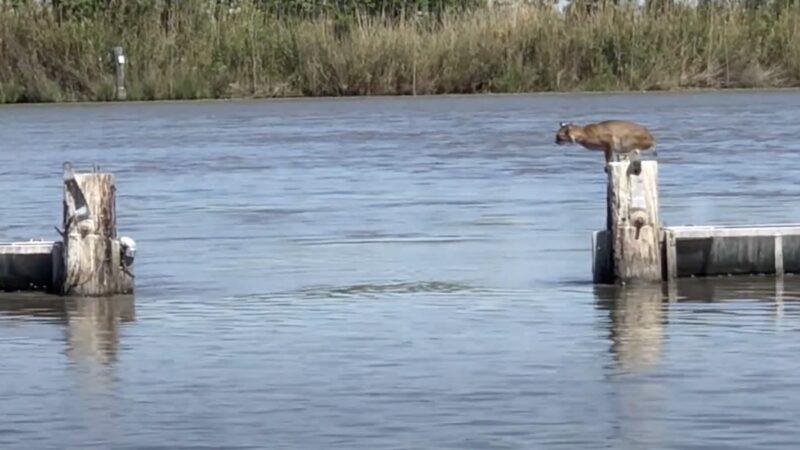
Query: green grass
(191, 53)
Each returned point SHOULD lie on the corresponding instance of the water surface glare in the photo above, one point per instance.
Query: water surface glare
(398, 273)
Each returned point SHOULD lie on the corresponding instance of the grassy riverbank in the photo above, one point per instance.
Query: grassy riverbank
(189, 53)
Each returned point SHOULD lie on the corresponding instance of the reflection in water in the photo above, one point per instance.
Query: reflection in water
(93, 327)
(639, 327)
(33, 305)
(92, 324)
(636, 330)
(767, 289)
(636, 323)
(316, 206)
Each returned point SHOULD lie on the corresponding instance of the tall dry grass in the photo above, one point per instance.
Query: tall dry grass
(189, 52)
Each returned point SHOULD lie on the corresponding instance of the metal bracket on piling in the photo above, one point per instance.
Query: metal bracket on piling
(81, 207)
(638, 204)
(635, 167)
(638, 222)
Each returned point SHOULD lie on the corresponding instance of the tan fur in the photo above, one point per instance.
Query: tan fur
(618, 136)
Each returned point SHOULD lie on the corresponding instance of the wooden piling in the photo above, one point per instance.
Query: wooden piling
(634, 247)
(94, 263)
(634, 224)
(119, 73)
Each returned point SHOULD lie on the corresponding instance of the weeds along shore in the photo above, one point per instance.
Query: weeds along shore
(191, 51)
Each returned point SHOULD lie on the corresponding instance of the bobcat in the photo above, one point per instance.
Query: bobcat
(611, 136)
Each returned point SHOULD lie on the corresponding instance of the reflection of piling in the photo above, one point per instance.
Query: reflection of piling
(637, 313)
(637, 324)
(93, 326)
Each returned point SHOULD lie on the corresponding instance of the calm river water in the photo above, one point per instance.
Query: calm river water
(397, 273)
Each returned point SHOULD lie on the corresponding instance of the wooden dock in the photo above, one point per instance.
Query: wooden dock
(90, 260)
(30, 266)
(635, 247)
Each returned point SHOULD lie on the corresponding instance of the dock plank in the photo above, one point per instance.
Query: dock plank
(29, 266)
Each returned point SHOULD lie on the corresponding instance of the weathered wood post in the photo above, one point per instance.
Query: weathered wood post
(633, 224)
(96, 263)
(119, 72)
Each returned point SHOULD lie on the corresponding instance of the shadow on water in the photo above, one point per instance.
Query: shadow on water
(92, 325)
(637, 314)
